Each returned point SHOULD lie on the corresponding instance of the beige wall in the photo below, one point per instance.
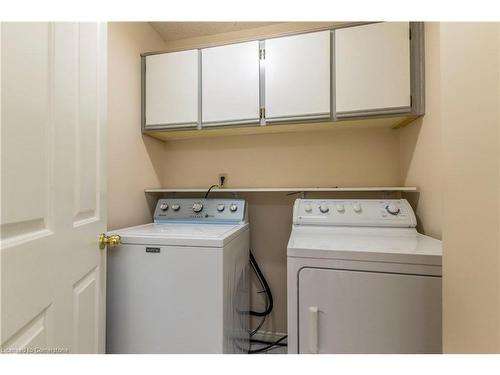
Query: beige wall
(132, 158)
(329, 158)
(470, 95)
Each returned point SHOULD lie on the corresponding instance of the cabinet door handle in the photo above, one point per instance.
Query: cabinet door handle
(313, 329)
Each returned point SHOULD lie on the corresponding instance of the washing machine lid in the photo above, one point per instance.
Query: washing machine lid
(181, 234)
(399, 245)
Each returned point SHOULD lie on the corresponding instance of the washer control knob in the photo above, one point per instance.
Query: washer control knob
(164, 206)
(392, 209)
(221, 207)
(176, 207)
(356, 207)
(308, 208)
(323, 208)
(233, 207)
(340, 207)
(197, 207)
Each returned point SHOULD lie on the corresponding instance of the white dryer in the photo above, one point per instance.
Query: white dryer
(179, 285)
(361, 279)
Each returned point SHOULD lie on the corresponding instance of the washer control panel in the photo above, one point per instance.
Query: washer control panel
(352, 212)
(201, 210)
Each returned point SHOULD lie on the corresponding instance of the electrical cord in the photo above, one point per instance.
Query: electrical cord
(263, 318)
(267, 290)
(258, 327)
(263, 314)
(210, 188)
(268, 296)
(268, 347)
(257, 341)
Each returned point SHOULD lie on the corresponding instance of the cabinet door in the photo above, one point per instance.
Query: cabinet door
(368, 312)
(172, 90)
(372, 69)
(297, 77)
(230, 84)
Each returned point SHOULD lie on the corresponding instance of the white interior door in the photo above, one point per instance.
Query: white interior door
(297, 77)
(372, 67)
(172, 89)
(53, 117)
(230, 84)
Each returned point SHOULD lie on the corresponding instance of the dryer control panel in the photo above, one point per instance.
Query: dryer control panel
(354, 212)
(209, 210)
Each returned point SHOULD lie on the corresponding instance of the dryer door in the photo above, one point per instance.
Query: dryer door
(342, 311)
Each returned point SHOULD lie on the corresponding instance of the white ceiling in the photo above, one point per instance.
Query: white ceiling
(171, 31)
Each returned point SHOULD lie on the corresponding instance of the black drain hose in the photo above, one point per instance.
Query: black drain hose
(267, 290)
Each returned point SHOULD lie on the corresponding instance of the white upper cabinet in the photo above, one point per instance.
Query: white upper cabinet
(172, 89)
(297, 76)
(364, 72)
(230, 84)
(372, 68)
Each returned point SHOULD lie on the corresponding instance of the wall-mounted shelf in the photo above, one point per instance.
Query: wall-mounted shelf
(292, 189)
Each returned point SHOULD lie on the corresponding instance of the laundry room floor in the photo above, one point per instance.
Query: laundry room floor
(278, 349)
(275, 350)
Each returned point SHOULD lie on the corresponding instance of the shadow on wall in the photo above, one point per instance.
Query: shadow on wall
(413, 199)
(412, 133)
(155, 150)
(406, 157)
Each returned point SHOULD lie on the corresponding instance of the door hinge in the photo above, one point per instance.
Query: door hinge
(262, 112)
(411, 100)
(262, 54)
(409, 34)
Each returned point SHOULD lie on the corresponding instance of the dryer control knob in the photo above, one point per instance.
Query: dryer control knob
(392, 209)
(339, 207)
(356, 207)
(221, 207)
(176, 207)
(197, 207)
(308, 208)
(164, 206)
(233, 208)
(324, 208)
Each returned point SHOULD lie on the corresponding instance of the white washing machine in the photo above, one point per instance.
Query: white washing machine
(179, 285)
(361, 279)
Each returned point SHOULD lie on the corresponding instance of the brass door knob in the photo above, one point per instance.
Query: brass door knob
(111, 241)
